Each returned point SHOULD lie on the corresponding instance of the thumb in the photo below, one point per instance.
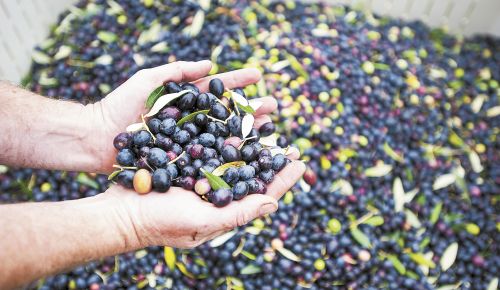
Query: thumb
(239, 213)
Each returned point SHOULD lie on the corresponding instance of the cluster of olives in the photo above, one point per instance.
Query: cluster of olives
(204, 142)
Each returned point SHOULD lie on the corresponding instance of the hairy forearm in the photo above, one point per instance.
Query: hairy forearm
(43, 133)
(40, 239)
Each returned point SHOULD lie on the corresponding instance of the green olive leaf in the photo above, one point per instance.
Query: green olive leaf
(163, 101)
(374, 221)
(288, 254)
(250, 269)
(191, 116)
(297, 66)
(420, 259)
(86, 180)
(249, 255)
(215, 181)
(397, 264)
(360, 237)
(155, 95)
(247, 109)
(184, 271)
(393, 154)
(170, 257)
(63, 52)
(436, 211)
(107, 36)
(114, 174)
(219, 171)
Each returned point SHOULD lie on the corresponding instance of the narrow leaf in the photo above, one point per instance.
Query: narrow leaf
(297, 66)
(114, 174)
(375, 221)
(104, 59)
(493, 285)
(475, 162)
(412, 219)
(63, 52)
(247, 109)
(239, 99)
(399, 194)
(343, 185)
(135, 127)
(249, 255)
(361, 238)
(477, 103)
(250, 269)
(40, 57)
(191, 116)
(444, 181)
(449, 256)
(86, 180)
(107, 36)
(170, 257)
(421, 259)
(288, 254)
(269, 141)
(215, 181)
(410, 195)
(197, 24)
(436, 211)
(397, 264)
(155, 95)
(220, 240)
(184, 271)
(389, 151)
(493, 112)
(219, 171)
(455, 140)
(247, 124)
(163, 101)
(255, 104)
(379, 170)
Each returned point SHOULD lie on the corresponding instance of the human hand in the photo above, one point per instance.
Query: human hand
(125, 104)
(180, 218)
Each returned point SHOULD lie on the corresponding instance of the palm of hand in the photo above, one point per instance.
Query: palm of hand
(180, 218)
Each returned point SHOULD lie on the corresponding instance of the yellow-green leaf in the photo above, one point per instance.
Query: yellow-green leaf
(220, 240)
(219, 171)
(444, 181)
(397, 264)
(420, 259)
(170, 257)
(436, 211)
(375, 221)
(360, 237)
(250, 269)
(107, 36)
(114, 174)
(184, 271)
(393, 154)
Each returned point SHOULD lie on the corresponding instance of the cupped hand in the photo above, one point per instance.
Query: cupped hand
(180, 218)
(125, 104)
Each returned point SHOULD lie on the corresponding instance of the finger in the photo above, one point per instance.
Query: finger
(267, 105)
(293, 153)
(233, 79)
(261, 120)
(239, 213)
(284, 180)
(179, 71)
(141, 84)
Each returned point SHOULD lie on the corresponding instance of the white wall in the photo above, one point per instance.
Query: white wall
(24, 23)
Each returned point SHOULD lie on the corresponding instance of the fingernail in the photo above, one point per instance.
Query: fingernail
(267, 208)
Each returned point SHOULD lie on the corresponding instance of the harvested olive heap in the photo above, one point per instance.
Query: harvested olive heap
(193, 138)
(398, 124)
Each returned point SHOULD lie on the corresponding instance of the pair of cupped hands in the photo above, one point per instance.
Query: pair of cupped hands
(179, 218)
